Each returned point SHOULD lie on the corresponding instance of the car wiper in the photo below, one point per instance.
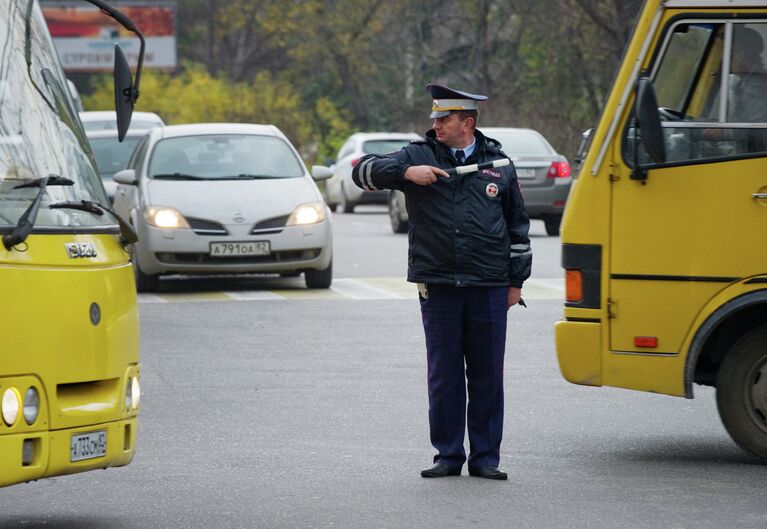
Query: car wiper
(245, 176)
(127, 233)
(178, 176)
(27, 220)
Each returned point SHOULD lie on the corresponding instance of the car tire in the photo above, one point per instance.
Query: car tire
(552, 224)
(319, 278)
(398, 224)
(346, 205)
(145, 282)
(332, 207)
(741, 392)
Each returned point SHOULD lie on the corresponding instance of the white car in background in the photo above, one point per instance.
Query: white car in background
(340, 190)
(218, 198)
(112, 155)
(107, 120)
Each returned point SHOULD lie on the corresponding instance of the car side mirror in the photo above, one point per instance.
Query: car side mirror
(320, 172)
(648, 123)
(126, 177)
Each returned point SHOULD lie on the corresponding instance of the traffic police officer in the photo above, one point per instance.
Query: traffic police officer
(469, 253)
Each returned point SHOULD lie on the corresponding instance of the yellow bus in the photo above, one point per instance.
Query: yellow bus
(69, 358)
(664, 233)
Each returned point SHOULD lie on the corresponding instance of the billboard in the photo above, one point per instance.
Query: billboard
(85, 37)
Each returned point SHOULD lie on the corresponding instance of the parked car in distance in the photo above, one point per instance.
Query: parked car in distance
(543, 174)
(112, 155)
(107, 120)
(340, 190)
(215, 198)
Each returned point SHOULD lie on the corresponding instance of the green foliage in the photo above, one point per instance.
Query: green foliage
(194, 96)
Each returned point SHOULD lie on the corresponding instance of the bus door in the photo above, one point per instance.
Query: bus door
(684, 229)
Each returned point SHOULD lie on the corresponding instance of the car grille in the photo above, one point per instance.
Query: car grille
(206, 227)
(273, 225)
(206, 259)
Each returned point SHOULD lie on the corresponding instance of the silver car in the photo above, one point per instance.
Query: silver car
(543, 174)
(340, 190)
(224, 198)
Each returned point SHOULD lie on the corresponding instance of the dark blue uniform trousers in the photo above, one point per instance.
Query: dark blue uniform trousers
(465, 326)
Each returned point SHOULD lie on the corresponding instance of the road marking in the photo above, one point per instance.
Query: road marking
(357, 289)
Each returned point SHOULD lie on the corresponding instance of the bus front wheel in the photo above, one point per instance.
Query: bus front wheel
(741, 392)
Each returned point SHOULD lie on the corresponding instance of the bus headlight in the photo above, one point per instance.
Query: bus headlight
(11, 406)
(132, 394)
(31, 405)
(135, 393)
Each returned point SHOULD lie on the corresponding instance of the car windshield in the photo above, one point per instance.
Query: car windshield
(111, 155)
(522, 143)
(221, 156)
(40, 133)
(383, 146)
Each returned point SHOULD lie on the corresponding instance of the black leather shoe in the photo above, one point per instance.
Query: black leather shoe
(488, 473)
(440, 470)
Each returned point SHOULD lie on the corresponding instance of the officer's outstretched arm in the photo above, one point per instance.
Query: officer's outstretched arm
(381, 172)
(518, 225)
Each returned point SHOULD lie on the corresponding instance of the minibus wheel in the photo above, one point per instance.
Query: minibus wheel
(741, 392)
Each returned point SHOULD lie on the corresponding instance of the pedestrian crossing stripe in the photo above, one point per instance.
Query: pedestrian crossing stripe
(359, 289)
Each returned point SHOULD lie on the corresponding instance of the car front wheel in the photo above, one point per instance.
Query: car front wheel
(144, 282)
(741, 392)
(398, 224)
(319, 278)
(552, 224)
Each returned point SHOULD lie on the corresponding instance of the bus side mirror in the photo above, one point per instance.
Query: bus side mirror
(123, 93)
(648, 123)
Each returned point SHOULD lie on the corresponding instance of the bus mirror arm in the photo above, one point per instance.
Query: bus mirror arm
(647, 120)
(126, 91)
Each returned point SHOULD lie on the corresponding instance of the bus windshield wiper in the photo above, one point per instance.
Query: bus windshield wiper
(127, 233)
(27, 220)
(178, 176)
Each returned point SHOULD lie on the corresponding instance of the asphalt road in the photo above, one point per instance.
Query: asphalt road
(266, 407)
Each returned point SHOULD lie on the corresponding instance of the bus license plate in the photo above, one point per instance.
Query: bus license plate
(88, 445)
(235, 249)
(525, 173)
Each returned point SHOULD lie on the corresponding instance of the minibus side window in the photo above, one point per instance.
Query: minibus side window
(698, 123)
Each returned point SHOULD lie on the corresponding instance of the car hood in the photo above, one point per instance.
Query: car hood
(221, 200)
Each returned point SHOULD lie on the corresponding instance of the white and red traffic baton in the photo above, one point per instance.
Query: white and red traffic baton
(473, 168)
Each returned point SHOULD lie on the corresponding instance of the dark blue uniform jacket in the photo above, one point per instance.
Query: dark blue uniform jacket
(466, 230)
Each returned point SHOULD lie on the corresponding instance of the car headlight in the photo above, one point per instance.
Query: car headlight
(31, 405)
(162, 217)
(310, 213)
(11, 406)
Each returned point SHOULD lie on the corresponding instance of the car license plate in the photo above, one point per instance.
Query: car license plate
(525, 173)
(88, 445)
(235, 249)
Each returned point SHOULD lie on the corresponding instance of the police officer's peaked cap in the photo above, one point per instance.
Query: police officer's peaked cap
(447, 100)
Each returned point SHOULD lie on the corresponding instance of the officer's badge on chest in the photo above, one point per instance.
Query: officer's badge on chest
(491, 190)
